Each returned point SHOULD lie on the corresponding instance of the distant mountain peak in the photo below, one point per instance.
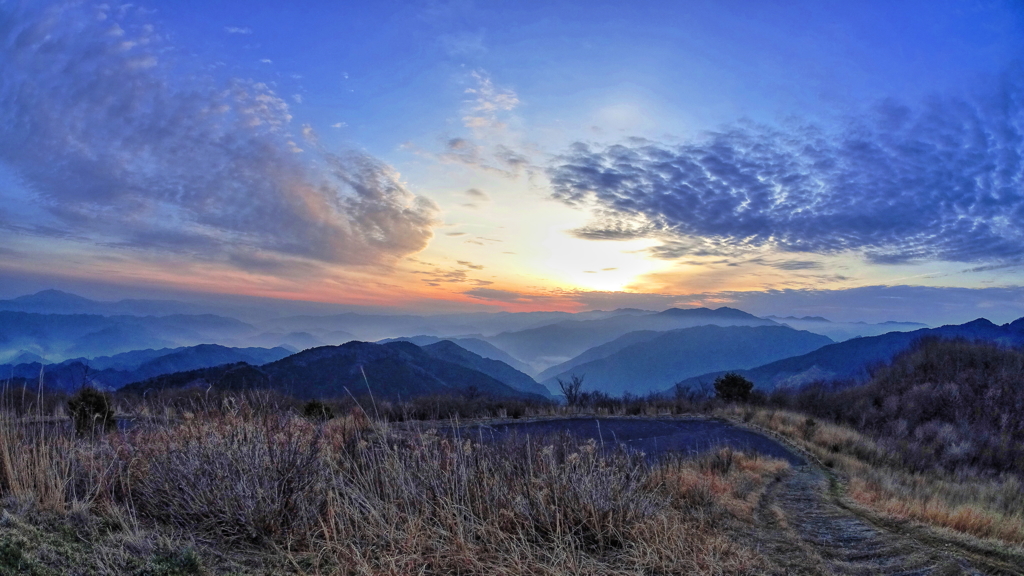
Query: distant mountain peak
(980, 323)
(53, 296)
(800, 318)
(682, 311)
(723, 312)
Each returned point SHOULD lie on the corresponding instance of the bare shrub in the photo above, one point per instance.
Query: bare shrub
(240, 480)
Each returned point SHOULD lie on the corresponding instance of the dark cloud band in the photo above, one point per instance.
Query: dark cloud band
(943, 182)
(128, 141)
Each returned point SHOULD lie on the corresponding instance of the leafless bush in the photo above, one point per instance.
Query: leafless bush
(236, 479)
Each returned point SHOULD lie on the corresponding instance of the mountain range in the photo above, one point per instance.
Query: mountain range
(642, 362)
(115, 371)
(475, 345)
(840, 331)
(392, 371)
(624, 350)
(62, 336)
(546, 346)
(853, 360)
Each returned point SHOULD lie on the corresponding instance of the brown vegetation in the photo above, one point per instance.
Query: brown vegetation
(935, 437)
(241, 485)
(201, 481)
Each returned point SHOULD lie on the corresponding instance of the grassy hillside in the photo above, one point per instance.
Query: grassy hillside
(943, 404)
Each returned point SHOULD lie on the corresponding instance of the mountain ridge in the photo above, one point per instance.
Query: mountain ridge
(851, 360)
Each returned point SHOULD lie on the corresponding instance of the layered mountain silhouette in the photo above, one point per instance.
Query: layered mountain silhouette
(58, 302)
(375, 327)
(840, 331)
(552, 344)
(116, 371)
(853, 360)
(474, 345)
(642, 362)
(391, 371)
(62, 336)
(500, 371)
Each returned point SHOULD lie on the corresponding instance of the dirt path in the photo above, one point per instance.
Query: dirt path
(810, 532)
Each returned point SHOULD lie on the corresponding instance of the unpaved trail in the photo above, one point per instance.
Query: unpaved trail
(800, 523)
(809, 531)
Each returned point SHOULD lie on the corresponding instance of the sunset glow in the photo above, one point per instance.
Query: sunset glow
(514, 156)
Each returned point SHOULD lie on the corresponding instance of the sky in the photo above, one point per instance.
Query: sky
(857, 160)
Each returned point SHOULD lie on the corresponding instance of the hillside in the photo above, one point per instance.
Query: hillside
(654, 363)
(598, 352)
(114, 372)
(941, 404)
(452, 352)
(853, 360)
(474, 345)
(553, 344)
(392, 371)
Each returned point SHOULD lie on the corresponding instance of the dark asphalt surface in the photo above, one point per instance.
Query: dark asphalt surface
(654, 437)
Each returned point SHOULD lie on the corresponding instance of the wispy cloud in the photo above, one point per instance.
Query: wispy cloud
(498, 159)
(238, 30)
(943, 181)
(157, 157)
(487, 103)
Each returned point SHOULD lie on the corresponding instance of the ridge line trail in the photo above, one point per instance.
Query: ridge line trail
(807, 529)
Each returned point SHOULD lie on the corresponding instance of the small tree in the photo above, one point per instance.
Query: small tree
(732, 387)
(318, 411)
(91, 411)
(571, 389)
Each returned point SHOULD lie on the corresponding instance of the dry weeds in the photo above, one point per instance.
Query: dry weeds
(354, 497)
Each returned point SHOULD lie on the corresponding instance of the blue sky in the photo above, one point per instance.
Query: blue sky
(514, 155)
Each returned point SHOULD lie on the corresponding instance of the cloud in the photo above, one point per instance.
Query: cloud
(588, 299)
(122, 142)
(791, 265)
(932, 305)
(454, 233)
(437, 275)
(944, 181)
(498, 295)
(477, 194)
(487, 103)
(500, 159)
(510, 158)
(237, 30)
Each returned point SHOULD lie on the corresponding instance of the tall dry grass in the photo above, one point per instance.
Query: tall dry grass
(352, 496)
(988, 507)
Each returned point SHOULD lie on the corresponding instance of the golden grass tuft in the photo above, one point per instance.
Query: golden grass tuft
(983, 507)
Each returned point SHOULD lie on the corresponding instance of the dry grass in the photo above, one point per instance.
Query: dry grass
(984, 507)
(352, 497)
